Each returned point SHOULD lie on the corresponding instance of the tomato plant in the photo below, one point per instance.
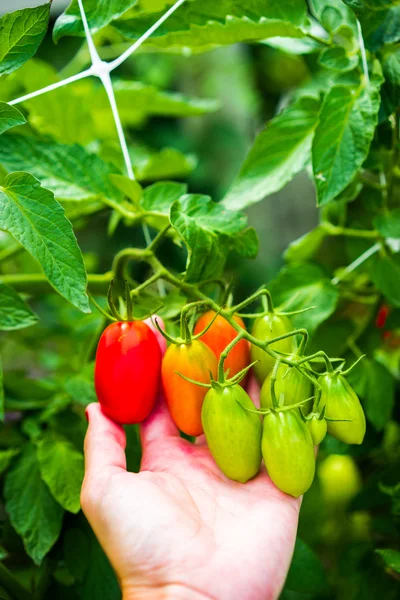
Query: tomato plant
(93, 192)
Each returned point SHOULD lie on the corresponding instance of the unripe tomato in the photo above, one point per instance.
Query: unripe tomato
(185, 399)
(127, 371)
(288, 452)
(342, 402)
(340, 480)
(317, 428)
(217, 338)
(294, 386)
(233, 434)
(265, 328)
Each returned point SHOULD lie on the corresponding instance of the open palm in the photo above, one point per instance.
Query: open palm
(180, 528)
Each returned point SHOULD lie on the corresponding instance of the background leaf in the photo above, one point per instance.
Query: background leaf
(374, 384)
(306, 573)
(62, 469)
(279, 152)
(26, 209)
(34, 513)
(391, 558)
(9, 117)
(21, 33)
(14, 313)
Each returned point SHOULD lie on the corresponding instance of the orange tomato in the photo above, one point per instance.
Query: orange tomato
(220, 334)
(185, 399)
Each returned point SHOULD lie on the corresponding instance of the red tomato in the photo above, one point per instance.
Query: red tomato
(220, 334)
(185, 399)
(127, 371)
(382, 316)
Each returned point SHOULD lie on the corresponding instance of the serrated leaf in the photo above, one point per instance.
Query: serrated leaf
(9, 117)
(165, 164)
(343, 136)
(34, 513)
(129, 187)
(62, 469)
(210, 231)
(32, 215)
(333, 14)
(391, 558)
(388, 224)
(70, 172)
(375, 386)
(203, 25)
(160, 196)
(21, 33)
(279, 152)
(98, 12)
(337, 59)
(14, 312)
(303, 285)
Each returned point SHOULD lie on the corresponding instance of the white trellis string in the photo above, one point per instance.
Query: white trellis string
(102, 70)
(356, 263)
(362, 50)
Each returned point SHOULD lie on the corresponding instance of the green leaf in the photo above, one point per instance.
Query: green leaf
(62, 469)
(76, 552)
(98, 12)
(202, 25)
(129, 187)
(279, 152)
(333, 15)
(9, 117)
(21, 33)
(385, 273)
(303, 285)
(81, 389)
(375, 385)
(14, 313)
(362, 5)
(388, 224)
(210, 231)
(160, 196)
(26, 210)
(6, 457)
(391, 558)
(33, 512)
(306, 573)
(167, 163)
(391, 71)
(380, 27)
(304, 248)
(70, 172)
(337, 59)
(343, 136)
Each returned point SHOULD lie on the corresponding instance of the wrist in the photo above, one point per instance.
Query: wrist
(173, 591)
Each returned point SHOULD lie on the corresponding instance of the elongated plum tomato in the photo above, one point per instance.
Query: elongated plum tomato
(217, 338)
(317, 428)
(265, 328)
(343, 405)
(185, 399)
(127, 371)
(233, 433)
(290, 382)
(288, 451)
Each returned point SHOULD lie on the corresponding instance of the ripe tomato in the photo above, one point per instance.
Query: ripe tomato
(185, 399)
(288, 451)
(265, 328)
(290, 382)
(342, 404)
(382, 316)
(217, 338)
(340, 480)
(127, 371)
(233, 434)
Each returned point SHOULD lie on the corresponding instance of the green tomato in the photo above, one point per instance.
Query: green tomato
(233, 434)
(265, 328)
(288, 451)
(341, 402)
(317, 428)
(340, 480)
(294, 386)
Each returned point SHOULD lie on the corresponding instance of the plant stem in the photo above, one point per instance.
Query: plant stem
(37, 282)
(349, 232)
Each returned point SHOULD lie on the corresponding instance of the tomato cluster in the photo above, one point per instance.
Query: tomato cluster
(205, 393)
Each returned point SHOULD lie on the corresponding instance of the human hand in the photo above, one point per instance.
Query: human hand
(180, 529)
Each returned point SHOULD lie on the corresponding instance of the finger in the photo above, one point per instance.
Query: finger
(253, 390)
(160, 338)
(158, 425)
(104, 445)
